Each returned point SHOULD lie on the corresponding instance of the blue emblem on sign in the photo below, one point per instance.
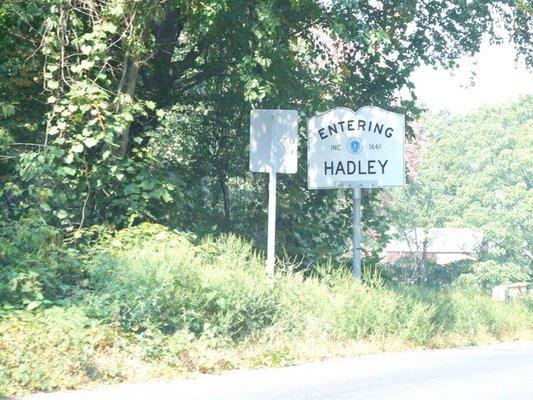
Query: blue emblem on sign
(355, 145)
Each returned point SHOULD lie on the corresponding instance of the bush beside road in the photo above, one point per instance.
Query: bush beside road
(158, 304)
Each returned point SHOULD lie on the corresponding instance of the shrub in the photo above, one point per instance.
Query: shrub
(406, 271)
(62, 348)
(163, 302)
(379, 312)
(485, 275)
(141, 284)
(151, 278)
(36, 268)
(45, 350)
(167, 283)
(469, 314)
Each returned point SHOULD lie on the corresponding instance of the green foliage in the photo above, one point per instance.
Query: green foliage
(480, 169)
(375, 311)
(408, 270)
(61, 348)
(69, 152)
(468, 314)
(485, 275)
(168, 284)
(471, 171)
(86, 87)
(150, 278)
(164, 303)
(116, 112)
(45, 351)
(36, 269)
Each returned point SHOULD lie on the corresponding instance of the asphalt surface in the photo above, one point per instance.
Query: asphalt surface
(503, 371)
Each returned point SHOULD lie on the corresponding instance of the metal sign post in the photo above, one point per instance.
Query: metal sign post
(271, 240)
(271, 228)
(356, 232)
(273, 149)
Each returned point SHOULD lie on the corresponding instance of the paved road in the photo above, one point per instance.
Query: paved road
(502, 371)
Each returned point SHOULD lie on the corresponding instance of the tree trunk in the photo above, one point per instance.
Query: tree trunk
(126, 93)
(225, 197)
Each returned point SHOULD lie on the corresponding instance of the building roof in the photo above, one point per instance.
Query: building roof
(441, 240)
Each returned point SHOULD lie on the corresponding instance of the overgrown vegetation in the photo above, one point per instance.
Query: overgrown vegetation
(121, 111)
(470, 171)
(160, 303)
(118, 112)
(36, 268)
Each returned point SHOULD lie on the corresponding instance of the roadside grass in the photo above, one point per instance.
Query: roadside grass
(160, 305)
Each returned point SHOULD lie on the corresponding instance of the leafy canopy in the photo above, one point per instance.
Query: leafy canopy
(86, 86)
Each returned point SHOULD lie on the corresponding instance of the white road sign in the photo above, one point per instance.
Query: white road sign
(273, 149)
(274, 141)
(363, 148)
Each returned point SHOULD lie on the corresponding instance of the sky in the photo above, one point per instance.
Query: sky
(498, 79)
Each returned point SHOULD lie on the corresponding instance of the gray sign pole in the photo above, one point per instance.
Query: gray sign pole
(357, 232)
(271, 239)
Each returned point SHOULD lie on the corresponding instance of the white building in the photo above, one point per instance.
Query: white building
(444, 245)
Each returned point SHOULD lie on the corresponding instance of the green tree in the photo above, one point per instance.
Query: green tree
(86, 83)
(482, 165)
(476, 172)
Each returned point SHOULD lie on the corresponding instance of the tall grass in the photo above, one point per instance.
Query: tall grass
(160, 303)
(218, 287)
